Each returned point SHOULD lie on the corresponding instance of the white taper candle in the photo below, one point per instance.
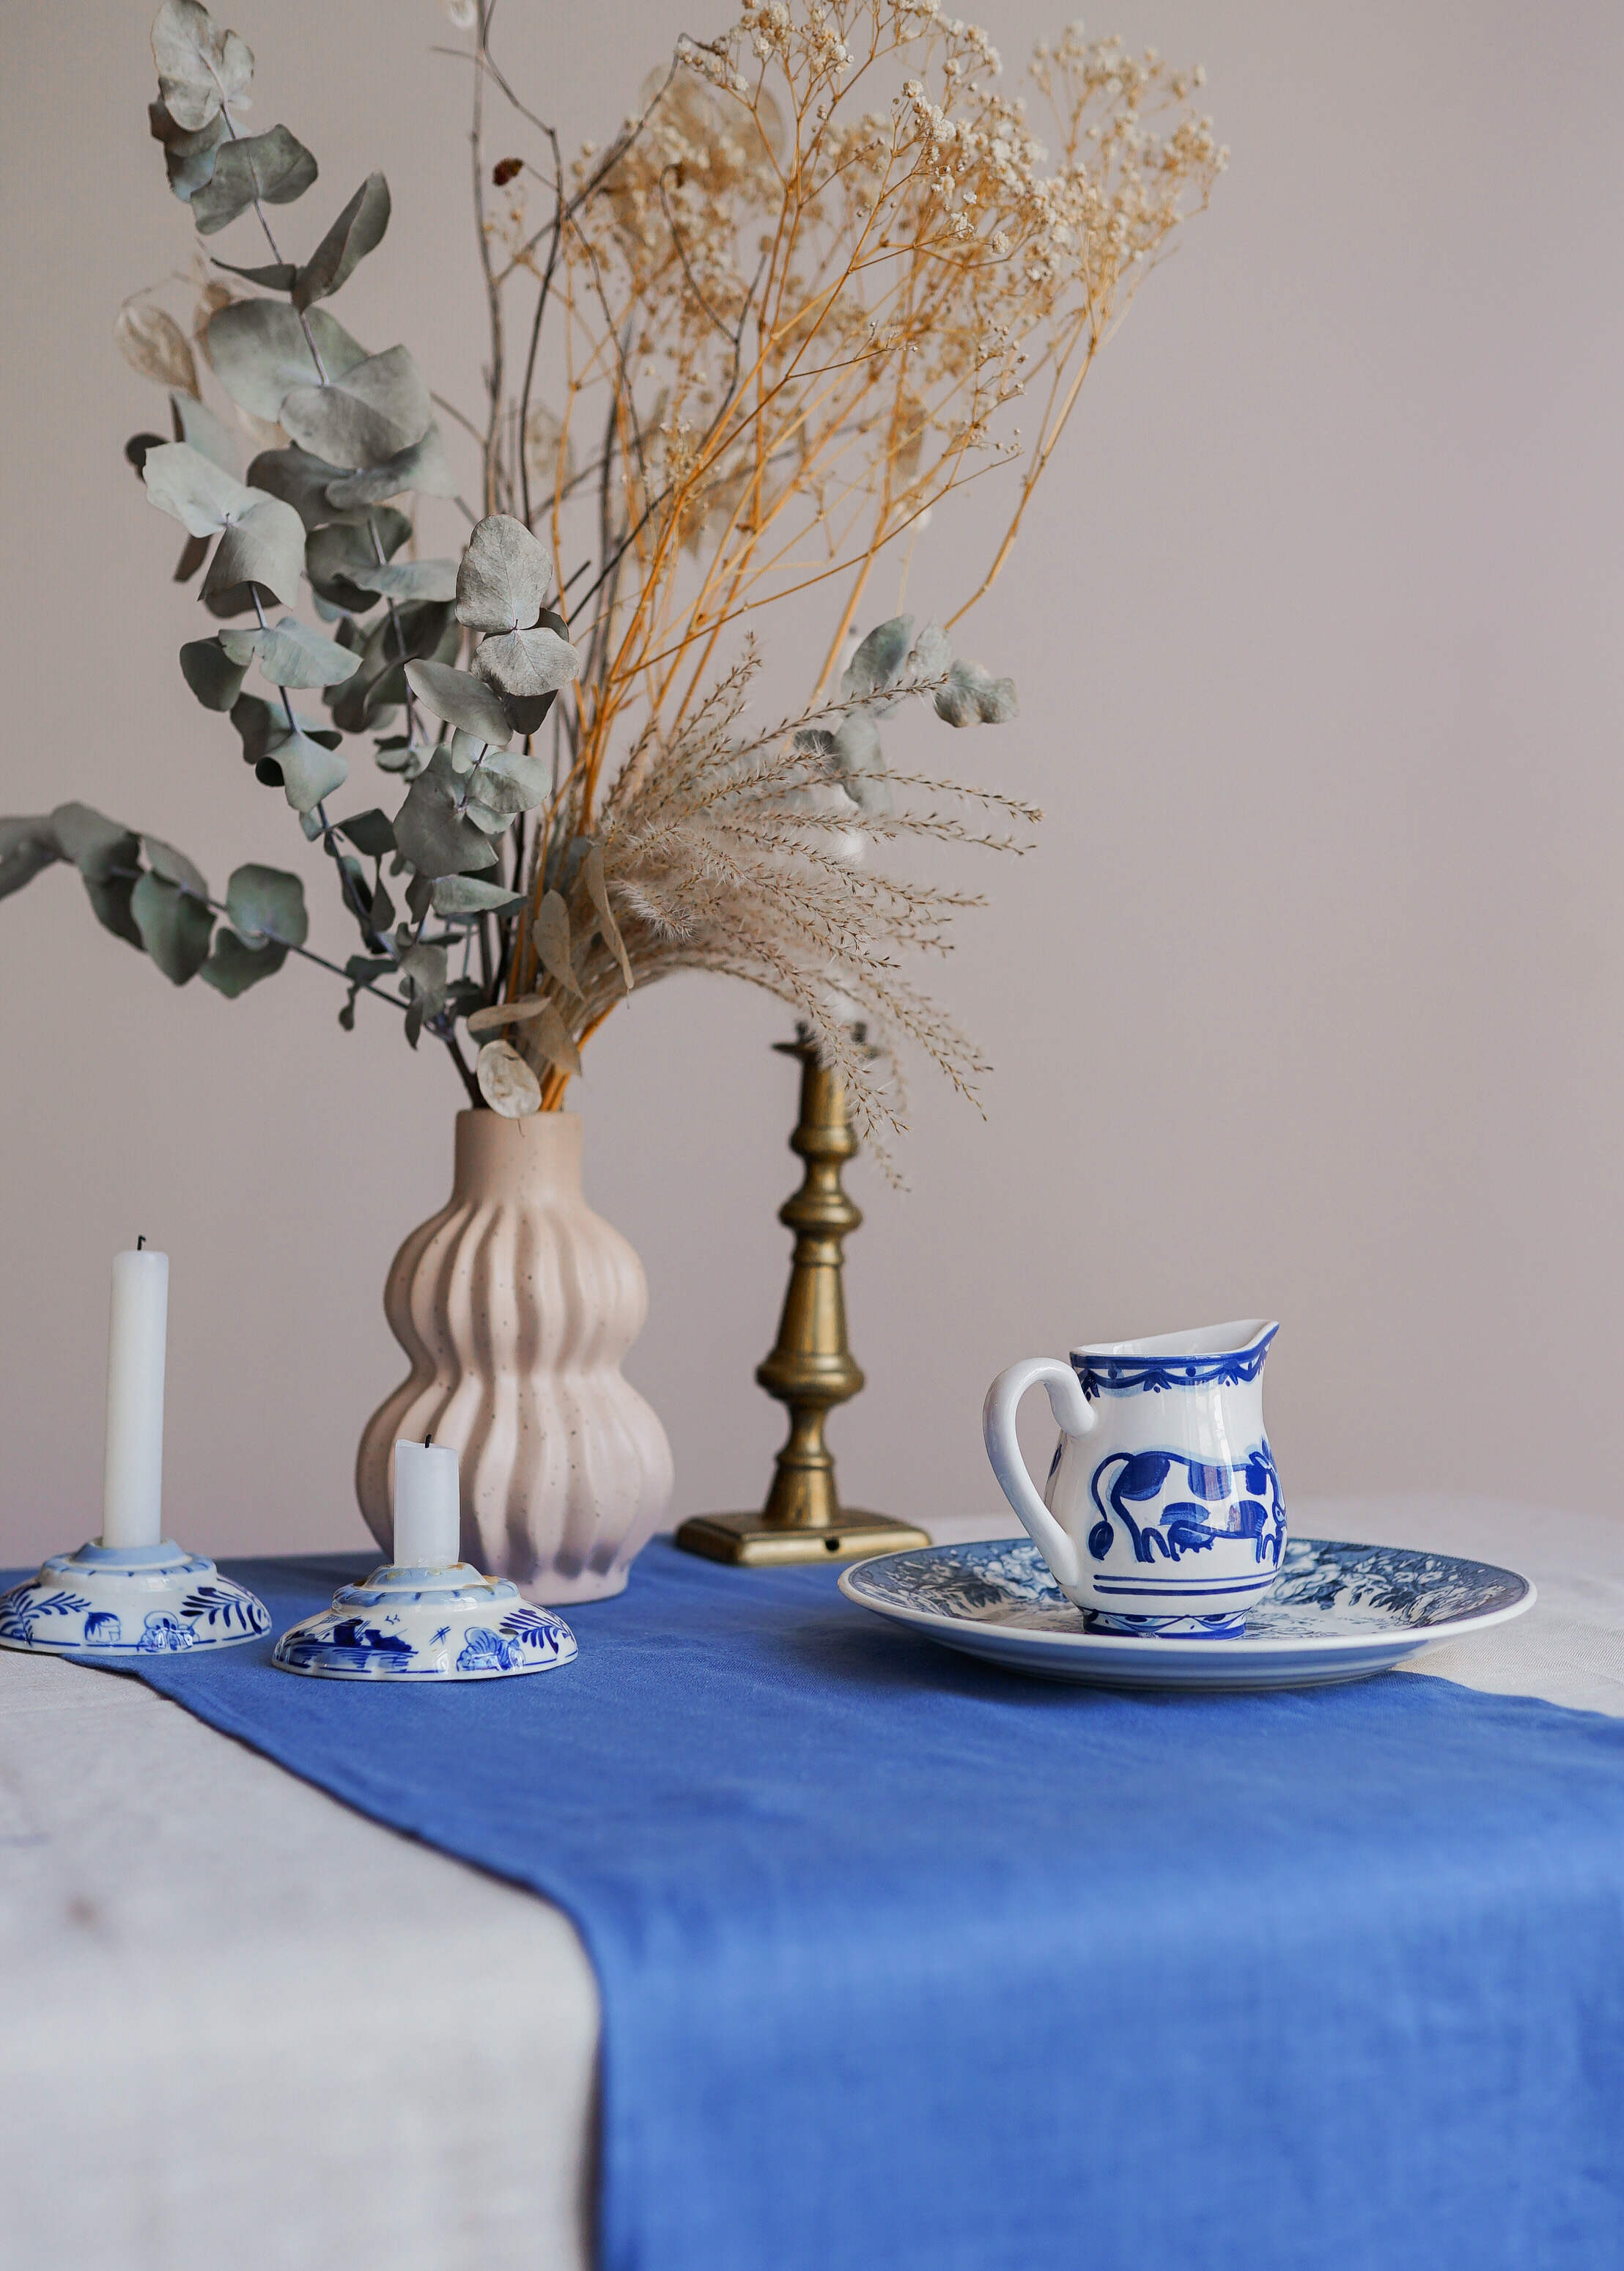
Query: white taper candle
(428, 1520)
(133, 1477)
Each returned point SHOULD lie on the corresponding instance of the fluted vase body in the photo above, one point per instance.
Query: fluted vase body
(515, 1305)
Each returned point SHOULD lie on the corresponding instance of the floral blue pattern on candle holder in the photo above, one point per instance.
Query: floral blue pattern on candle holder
(447, 1623)
(128, 1600)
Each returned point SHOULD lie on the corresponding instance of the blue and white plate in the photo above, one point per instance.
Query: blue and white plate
(1338, 1613)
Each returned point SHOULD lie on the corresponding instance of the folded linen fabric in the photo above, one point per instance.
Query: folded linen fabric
(906, 1962)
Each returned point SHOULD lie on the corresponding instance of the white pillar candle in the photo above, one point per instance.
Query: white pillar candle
(133, 1477)
(428, 1521)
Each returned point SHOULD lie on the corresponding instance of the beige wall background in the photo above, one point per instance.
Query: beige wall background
(1307, 1005)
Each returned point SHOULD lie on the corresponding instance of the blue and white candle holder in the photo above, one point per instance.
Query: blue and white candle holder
(132, 1591)
(426, 1623)
(111, 1601)
(427, 1615)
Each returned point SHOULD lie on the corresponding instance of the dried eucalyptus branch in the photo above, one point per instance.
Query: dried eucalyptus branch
(798, 301)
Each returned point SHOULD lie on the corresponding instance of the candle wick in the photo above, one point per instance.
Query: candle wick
(140, 1242)
(428, 1442)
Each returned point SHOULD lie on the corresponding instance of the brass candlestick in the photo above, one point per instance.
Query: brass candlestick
(812, 1368)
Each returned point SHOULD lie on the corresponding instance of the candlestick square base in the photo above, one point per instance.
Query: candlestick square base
(752, 1541)
(444, 1623)
(111, 1601)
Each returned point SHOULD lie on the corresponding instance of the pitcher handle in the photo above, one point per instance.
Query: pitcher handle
(1074, 1415)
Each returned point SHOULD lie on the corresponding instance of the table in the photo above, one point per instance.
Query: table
(202, 2058)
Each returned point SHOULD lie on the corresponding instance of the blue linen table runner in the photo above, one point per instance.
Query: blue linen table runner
(907, 1963)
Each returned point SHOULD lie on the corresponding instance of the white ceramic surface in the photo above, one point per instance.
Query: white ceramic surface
(515, 1305)
(1162, 1501)
(128, 1600)
(1338, 1613)
(446, 1623)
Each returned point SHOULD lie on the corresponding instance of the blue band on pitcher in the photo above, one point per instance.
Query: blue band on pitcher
(1120, 1375)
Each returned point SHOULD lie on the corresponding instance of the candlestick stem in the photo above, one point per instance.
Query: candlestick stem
(811, 1368)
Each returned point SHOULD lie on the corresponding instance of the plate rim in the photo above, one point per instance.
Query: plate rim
(1186, 1649)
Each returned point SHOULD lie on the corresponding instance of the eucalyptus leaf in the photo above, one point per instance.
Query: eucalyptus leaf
(259, 353)
(528, 713)
(290, 653)
(188, 159)
(310, 771)
(510, 781)
(95, 844)
(338, 557)
(153, 343)
(425, 468)
(879, 660)
(366, 418)
(255, 721)
(433, 834)
(409, 579)
(271, 168)
(201, 67)
(461, 699)
(491, 820)
(862, 766)
(598, 891)
(267, 903)
(973, 696)
(26, 844)
(301, 480)
(194, 551)
(550, 935)
(261, 553)
(136, 448)
(176, 929)
(213, 677)
(197, 425)
(526, 664)
(372, 832)
(399, 756)
(425, 630)
(424, 969)
(506, 1082)
(301, 760)
(195, 490)
(110, 900)
(274, 275)
(931, 654)
(174, 867)
(164, 127)
(231, 967)
(506, 579)
(357, 229)
(470, 894)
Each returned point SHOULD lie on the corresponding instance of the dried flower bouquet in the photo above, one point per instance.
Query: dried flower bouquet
(736, 361)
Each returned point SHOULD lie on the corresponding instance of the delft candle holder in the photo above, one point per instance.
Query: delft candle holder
(105, 1602)
(445, 1622)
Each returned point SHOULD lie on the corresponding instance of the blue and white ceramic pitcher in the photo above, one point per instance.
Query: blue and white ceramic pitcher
(1162, 1510)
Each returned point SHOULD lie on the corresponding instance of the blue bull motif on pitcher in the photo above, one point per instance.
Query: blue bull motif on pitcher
(1163, 1510)
(1173, 1505)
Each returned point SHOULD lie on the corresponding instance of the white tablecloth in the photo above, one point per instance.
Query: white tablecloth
(243, 2026)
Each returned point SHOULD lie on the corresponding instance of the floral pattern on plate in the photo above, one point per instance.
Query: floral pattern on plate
(1338, 1611)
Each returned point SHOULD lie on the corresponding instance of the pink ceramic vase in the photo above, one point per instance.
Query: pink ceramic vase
(515, 1304)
